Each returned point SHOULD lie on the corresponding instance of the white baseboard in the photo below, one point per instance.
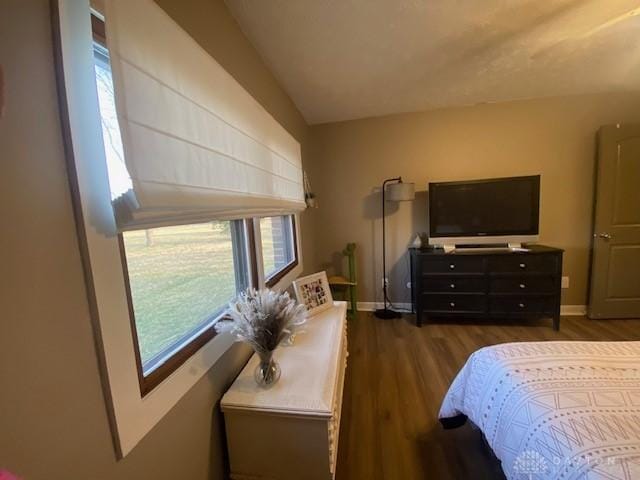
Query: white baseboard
(565, 310)
(573, 310)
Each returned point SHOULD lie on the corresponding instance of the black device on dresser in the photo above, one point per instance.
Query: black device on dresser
(496, 284)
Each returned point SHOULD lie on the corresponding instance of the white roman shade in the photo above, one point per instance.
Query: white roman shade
(197, 145)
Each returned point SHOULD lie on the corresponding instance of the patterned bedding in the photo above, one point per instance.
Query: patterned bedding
(554, 410)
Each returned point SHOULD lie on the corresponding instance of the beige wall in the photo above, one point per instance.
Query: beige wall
(53, 421)
(554, 137)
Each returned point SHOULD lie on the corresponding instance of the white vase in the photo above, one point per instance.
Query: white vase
(417, 242)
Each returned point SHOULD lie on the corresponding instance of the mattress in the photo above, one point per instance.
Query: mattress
(554, 410)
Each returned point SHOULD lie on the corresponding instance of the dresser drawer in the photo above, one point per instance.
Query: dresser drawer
(523, 284)
(523, 263)
(521, 304)
(453, 264)
(453, 284)
(443, 303)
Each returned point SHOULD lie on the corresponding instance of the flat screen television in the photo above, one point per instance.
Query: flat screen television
(489, 211)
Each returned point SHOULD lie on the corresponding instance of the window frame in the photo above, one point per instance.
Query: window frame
(131, 414)
(278, 275)
(177, 354)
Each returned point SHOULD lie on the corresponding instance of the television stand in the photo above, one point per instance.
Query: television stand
(480, 284)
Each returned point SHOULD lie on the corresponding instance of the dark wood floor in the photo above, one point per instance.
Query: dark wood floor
(396, 378)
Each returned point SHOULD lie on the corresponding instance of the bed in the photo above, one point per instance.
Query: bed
(553, 410)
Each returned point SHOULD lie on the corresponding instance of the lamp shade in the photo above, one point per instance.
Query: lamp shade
(400, 192)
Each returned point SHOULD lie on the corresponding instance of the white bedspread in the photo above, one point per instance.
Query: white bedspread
(555, 410)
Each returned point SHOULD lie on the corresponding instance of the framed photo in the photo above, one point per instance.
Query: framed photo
(313, 292)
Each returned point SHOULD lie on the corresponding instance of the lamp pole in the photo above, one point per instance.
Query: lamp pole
(386, 312)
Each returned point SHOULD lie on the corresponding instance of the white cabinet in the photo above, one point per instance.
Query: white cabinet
(290, 431)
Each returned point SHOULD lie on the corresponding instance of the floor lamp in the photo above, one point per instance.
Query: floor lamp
(394, 190)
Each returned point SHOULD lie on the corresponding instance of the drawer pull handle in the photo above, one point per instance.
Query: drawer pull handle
(523, 265)
(452, 266)
(453, 285)
(452, 304)
(521, 305)
(522, 285)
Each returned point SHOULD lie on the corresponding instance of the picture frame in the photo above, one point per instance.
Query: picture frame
(313, 292)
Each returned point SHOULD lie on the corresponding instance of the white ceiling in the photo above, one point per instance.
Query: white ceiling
(346, 59)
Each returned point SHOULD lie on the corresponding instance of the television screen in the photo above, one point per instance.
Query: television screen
(495, 207)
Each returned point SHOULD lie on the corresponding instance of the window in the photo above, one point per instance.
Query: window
(180, 279)
(119, 180)
(279, 255)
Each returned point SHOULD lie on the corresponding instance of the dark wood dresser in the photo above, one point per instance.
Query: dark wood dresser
(487, 284)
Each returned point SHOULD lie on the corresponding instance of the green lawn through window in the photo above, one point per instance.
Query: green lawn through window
(179, 277)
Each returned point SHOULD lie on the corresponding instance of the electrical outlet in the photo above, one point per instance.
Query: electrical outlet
(409, 285)
(385, 282)
(565, 282)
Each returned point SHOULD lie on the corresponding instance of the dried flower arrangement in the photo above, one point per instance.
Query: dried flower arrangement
(264, 319)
